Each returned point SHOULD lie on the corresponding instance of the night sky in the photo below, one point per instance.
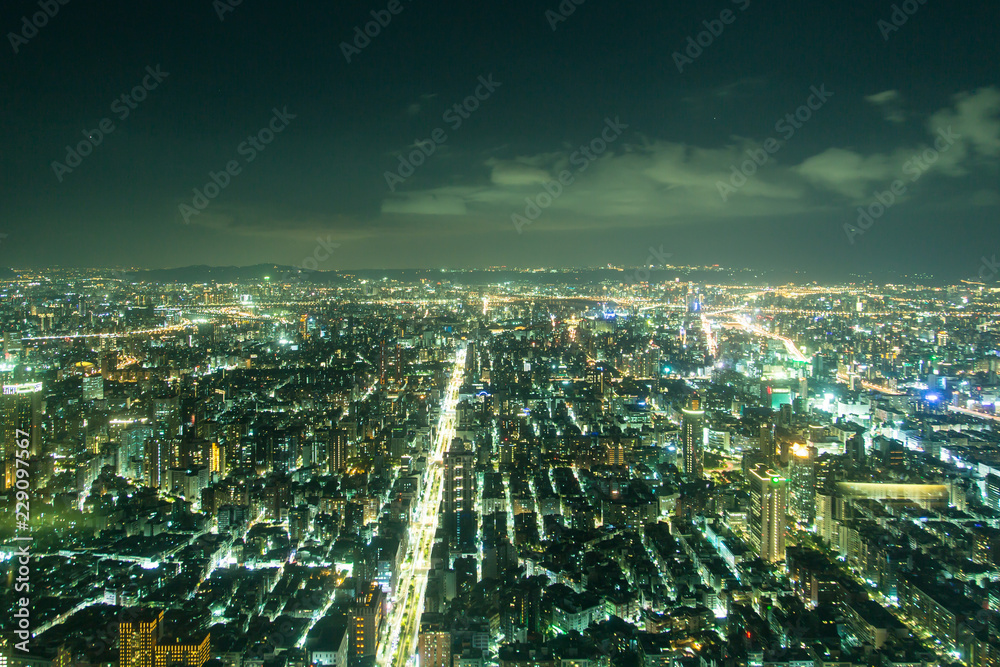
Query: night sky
(893, 94)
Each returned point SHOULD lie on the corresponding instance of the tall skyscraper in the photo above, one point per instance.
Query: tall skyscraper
(769, 444)
(766, 518)
(802, 481)
(166, 414)
(993, 492)
(133, 453)
(459, 491)
(20, 410)
(337, 451)
(156, 462)
(459, 478)
(692, 439)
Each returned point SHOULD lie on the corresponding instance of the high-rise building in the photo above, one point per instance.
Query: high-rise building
(12, 346)
(785, 415)
(892, 452)
(20, 419)
(616, 453)
(459, 478)
(213, 457)
(766, 518)
(434, 642)
(336, 451)
(137, 638)
(93, 387)
(769, 444)
(459, 492)
(855, 448)
(802, 483)
(167, 413)
(191, 653)
(133, 451)
(825, 504)
(141, 643)
(156, 463)
(369, 613)
(692, 439)
(993, 491)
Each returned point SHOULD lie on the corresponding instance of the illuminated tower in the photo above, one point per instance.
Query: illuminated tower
(137, 639)
(766, 518)
(459, 478)
(802, 483)
(20, 412)
(337, 451)
(692, 439)
(156, 461)
(459, 501)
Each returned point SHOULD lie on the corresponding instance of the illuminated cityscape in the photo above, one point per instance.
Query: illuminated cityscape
(528, 333)
(439, 468)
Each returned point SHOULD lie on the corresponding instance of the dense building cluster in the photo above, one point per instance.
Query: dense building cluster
(449, 469)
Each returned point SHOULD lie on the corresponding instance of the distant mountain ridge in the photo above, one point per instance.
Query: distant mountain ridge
(475, 277)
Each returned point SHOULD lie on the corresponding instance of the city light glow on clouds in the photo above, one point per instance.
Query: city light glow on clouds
(653, 181)
(403, 153)
(646, 182)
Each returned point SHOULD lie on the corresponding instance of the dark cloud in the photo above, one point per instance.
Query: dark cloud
(326, 175)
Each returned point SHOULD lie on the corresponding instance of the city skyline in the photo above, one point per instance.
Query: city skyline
(527, 333)
(496, 470)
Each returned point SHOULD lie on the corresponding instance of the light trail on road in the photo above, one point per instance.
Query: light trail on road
(790, 347)
(124, 334)
(974, 413)
(400, 633)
